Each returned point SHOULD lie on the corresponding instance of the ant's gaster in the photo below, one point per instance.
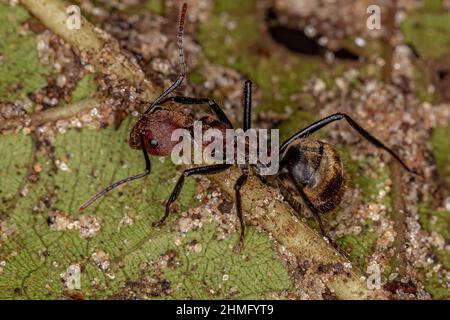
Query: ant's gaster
(310, 169)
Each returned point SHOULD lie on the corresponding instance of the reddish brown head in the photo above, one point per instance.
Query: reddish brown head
(156, 129)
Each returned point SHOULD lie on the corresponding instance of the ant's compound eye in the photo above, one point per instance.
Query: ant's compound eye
(153, 142)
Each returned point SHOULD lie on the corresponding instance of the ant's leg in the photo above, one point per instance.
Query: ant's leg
(186, 173)
(100, 194)
(247, 105)
(237, 188)
(316, 215)
(339, 116)
(244, 176)
(311, 207)
(211, 103)
(216, 108)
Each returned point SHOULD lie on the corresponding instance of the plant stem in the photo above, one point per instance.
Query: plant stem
(50, 115)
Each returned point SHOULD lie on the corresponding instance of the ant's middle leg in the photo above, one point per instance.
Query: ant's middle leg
(237, 188)
(244, 176)
(186, 173)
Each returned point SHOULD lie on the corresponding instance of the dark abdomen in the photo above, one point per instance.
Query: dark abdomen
(319, 169)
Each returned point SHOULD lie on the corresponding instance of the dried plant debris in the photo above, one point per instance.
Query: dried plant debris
(87, 226)
(64, 62)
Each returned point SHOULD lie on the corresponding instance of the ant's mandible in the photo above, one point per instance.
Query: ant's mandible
(309, 168)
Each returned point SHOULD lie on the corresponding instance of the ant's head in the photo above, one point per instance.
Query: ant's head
(156, 130)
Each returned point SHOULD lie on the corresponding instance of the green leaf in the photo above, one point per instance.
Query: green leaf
(35, 254)
(19, 66)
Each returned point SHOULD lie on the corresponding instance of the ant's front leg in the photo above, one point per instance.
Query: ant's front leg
(210, 102)
(186, 173)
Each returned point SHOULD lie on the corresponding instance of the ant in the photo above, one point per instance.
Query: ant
(309, 168)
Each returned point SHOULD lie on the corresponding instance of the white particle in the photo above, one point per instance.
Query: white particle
(61, 81)
(62, 166)
(329, 56)
(323, 41)
(62, 130)
(111, 275)
(447, 204)
(71, 277)
(310, 31)
(360, 42)
(94, 112)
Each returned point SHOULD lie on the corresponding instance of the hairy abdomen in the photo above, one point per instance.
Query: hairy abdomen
(326, 186)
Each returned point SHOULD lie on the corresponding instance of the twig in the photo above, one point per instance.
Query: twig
(389, 48)
(50, 115)
(399, 218)
(398, 205)
(279, 220)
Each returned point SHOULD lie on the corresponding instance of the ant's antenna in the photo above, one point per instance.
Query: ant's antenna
(100, 194)
(182, 73)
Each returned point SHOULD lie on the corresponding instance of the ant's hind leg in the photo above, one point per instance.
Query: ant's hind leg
(186, 173)
(316, 215)
(313, 210)
(342, 116)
